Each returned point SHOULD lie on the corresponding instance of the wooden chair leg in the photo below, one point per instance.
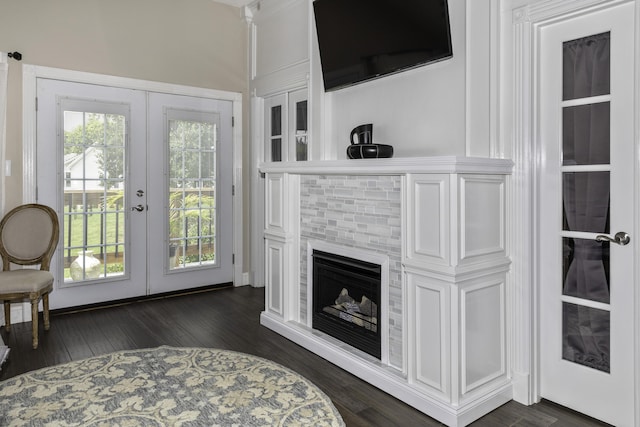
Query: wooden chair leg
(34, 322)
(45, 311)
(7, 316)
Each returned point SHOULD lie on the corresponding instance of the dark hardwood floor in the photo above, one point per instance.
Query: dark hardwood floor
(229, 319)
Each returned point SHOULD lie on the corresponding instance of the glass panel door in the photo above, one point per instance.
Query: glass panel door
(190, 192)
(133, 174)
(275, 129)
(91, 157)
(587, 190)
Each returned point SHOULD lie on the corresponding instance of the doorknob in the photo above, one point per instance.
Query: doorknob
(138, 208)
(621, 238)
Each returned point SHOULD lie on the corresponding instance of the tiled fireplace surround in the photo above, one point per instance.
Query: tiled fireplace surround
(361, 214)
(438, 226)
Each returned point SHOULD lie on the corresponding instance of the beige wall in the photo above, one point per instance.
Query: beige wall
(189, 42)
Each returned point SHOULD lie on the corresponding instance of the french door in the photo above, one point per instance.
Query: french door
(587, 199)
(190, 192)
(142, 184)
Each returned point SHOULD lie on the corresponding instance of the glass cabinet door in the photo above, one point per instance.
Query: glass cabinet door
(287, 127)
(275, 123)
(298, 112)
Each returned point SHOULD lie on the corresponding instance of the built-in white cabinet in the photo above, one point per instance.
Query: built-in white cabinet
(450, 307)
(455, 266)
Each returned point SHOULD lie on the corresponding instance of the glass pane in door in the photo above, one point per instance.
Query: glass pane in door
(586, 203)
(585, 197)
(192, 201)
(585, 66)
(586, 269)
(276, 133)
(301, 130)
(586, 336)
(93, 227)
(585, 134)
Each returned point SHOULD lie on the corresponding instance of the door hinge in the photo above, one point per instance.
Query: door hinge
(36, 103)
(233, 190)
(233, 258)
(233, 121)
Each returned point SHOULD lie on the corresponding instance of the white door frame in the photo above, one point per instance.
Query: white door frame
(32, 72)
(526, 22)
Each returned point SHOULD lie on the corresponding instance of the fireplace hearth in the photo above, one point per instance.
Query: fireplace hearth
(346, 296)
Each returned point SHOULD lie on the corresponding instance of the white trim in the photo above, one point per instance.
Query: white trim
(234, 3)
(636, 206)
(30, 74)
(4, 70)
(257, 183)
(492, 146)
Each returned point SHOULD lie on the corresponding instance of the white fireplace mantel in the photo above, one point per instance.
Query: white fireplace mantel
(442, 222)
(392, 166)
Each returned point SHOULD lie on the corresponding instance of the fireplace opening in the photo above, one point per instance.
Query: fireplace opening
(346, 300)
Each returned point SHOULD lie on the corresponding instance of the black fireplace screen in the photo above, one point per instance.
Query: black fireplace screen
(346, 296)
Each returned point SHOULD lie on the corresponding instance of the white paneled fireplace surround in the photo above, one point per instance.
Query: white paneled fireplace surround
(433, 229)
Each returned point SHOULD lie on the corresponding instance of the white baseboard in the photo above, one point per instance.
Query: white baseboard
(20, 312)
(522, 388)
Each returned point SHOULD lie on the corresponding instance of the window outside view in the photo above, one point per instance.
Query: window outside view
(94, 222)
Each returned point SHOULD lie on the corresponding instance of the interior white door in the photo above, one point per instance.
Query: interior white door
(91, 164)
(190, 192)
(587, 217)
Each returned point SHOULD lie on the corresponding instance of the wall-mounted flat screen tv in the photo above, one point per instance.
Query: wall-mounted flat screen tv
(361, 40)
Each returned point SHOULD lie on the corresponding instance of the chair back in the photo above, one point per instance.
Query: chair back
(28, 236)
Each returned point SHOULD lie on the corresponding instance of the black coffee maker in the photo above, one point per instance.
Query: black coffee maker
(362, 146)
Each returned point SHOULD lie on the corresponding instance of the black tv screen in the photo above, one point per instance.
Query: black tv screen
(361, 40)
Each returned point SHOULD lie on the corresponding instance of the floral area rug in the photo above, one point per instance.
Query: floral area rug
(165, 386)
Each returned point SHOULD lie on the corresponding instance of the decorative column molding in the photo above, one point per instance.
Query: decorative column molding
(523, 197)
(29, 190)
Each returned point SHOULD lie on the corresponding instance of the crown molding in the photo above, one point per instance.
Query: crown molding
(235, 3)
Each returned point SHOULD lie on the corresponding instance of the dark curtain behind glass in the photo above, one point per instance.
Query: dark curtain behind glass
(586, 133)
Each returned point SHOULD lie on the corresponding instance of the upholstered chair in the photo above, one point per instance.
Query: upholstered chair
(28, 237)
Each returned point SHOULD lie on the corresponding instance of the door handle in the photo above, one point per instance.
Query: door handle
(138, 208)
(621, 238)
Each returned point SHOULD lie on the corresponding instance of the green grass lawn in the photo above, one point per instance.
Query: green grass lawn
(100, 232)
(103, 233)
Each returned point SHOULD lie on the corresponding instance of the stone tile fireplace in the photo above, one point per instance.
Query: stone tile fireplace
(357, 216)
(433, 230)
